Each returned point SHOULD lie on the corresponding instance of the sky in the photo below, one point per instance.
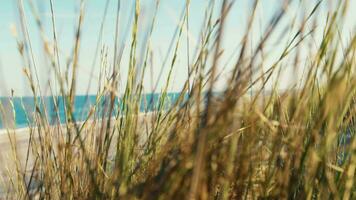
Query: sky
(169, 11)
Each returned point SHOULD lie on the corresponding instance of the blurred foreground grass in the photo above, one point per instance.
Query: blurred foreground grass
(250, 140)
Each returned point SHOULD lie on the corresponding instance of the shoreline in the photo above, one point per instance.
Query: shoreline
(4, 131)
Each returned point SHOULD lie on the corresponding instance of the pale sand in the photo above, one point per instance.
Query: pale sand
(21, 137)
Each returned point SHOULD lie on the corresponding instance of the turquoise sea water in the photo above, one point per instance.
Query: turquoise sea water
(19, 112)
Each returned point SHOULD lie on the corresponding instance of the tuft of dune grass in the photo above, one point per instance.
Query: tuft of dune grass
(230, 144)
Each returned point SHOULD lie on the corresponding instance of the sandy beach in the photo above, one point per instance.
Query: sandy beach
(17, 140)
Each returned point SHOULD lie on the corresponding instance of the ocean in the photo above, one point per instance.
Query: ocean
(18, 112)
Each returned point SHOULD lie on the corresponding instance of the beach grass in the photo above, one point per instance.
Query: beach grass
(250, 140)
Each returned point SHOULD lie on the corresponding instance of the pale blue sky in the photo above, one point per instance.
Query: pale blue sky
(66, 11)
